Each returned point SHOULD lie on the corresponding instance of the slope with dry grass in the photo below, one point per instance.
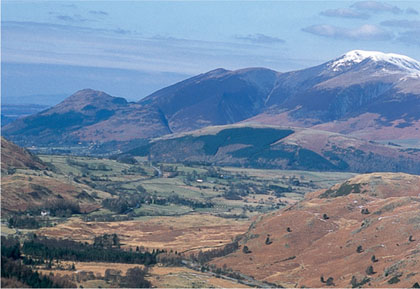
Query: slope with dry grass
(363, 232)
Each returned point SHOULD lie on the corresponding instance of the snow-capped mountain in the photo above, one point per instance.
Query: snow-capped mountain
(358, 81)
(402, 62)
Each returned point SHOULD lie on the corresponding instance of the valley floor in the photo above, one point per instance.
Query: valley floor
(181, 225)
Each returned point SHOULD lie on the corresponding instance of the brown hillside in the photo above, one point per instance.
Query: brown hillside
(13, 156)
(21, 192)
(35, 187)
(327, 246)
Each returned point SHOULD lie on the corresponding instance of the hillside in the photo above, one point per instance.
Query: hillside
(15, 157)
(214, 98)
(24, 192)
(29, 185)
(366, 94)
(363, 232)
(278, 147)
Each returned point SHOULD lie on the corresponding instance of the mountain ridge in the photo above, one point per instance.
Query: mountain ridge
(374, 85)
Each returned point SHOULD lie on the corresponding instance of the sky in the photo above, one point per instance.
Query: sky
(50, 49)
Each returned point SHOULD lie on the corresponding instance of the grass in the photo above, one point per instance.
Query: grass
(161, 277)
(105, 173)
(156, 210)
(94, 166)
(165, 187)
(179, 277)
(183, 233)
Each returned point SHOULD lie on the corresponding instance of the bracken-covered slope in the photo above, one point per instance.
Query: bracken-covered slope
(366, 94)
(279, 147)
(15, 157)
(363, 232)
(28, 184)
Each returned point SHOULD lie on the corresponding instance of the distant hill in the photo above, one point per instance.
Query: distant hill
(214, 98)
(279, 147)
(86, 116)
(11, 112)
(361, 233)
(40, 99)
(370, 95)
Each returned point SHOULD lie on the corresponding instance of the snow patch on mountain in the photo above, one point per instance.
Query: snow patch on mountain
(401, 62)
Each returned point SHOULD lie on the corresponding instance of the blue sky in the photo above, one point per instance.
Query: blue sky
(132, 48)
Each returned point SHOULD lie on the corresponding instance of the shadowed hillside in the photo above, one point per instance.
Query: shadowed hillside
(278, 147)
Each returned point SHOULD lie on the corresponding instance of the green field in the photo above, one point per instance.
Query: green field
(164, 189)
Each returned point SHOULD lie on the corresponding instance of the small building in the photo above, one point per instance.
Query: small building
(44, 213)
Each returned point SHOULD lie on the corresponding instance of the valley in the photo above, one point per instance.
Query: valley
(231, 178)
(185, 213)
(172, 207)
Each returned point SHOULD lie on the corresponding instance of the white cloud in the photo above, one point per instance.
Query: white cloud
(376, 7)
(411, 24)
(411, 37)
(345, 13)
(364, 32)
(411, 11)
(43, 43)
(260, 39)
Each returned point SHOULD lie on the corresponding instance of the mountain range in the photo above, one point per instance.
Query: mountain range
(362, 94)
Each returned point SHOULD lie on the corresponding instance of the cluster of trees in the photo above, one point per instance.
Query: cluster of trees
(279, 190)
(44, 248)
(62, 207)
(175, 199)
(13, 267)
(328, 282)
(204, 257)
(24, 222)
(233, 195)
(194, 176)
(125, 203)
(107, 218)
(224, 270)
(17, 270)
(170, 259)
(238, 190)
(107, 241)
(88, 166)
(55, 208)
(134, 170)
(134, 278)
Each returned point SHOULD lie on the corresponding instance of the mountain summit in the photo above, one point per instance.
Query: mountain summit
(400, 62)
